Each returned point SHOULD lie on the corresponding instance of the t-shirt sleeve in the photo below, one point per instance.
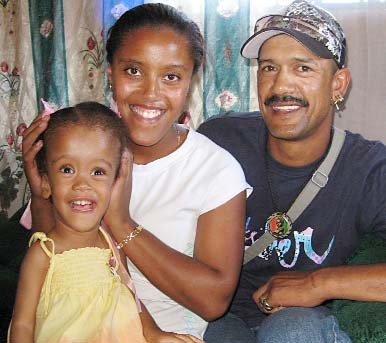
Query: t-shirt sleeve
(372, 213)
(214, 129)
(229, 181)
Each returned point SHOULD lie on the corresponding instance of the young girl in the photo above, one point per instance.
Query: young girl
(70, 287)
(185, 194)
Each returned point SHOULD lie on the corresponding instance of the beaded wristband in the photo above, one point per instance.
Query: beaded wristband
(130, 236)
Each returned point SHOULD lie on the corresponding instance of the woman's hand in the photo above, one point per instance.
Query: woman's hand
(31, 146)
(117, 215)
(170, 337)
(153, 334)
(41, 208)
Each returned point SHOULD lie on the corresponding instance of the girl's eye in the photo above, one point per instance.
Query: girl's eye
(171, 77)
(133, 71)
(98, 172)
(67, 170)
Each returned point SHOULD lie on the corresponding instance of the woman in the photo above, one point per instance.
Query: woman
(181, 223)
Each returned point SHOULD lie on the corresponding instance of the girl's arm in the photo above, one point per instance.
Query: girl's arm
(204, 283)
(32, 274)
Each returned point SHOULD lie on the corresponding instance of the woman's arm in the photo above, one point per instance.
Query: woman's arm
(204, 283)
(32, 274)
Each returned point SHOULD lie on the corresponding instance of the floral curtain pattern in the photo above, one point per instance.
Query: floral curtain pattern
(54, 49)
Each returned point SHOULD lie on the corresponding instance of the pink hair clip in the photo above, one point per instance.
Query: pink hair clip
(48, 110)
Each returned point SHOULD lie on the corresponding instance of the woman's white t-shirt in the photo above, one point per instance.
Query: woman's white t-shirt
(168, 196)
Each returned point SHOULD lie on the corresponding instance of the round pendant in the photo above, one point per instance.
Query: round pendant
(279, 225)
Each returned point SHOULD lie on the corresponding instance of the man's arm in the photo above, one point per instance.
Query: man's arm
(309, 289)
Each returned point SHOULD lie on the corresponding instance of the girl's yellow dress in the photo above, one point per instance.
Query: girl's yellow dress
(83, 298)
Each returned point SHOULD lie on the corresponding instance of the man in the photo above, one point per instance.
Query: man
(286, 282)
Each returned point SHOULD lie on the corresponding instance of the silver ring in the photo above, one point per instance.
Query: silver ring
(264, 303)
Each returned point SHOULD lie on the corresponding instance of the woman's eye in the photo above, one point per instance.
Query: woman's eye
(133, 71)
(98, 172)
(67, 170)
(172, 77)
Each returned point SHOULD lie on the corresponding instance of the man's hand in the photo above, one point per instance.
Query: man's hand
(288, 289)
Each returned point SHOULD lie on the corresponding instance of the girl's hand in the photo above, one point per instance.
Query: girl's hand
(117, 214)
(171, 337)
(31, 146)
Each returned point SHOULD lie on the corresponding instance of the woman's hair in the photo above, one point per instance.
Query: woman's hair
(87, 114)
(156, 15)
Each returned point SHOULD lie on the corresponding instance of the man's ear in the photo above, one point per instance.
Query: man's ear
(341, 82)
(46, 188)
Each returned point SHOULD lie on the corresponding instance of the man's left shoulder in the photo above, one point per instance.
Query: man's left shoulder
(230, 120)
(364, 151)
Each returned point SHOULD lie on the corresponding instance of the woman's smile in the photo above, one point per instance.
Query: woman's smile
(146, 112)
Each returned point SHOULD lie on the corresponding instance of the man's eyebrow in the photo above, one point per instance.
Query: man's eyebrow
(296, 59)
(305, 60)
(264, 60)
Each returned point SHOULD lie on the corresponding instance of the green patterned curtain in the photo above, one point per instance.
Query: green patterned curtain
(226, 73)
(52, 50)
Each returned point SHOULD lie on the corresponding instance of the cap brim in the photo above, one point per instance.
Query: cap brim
(251, 48)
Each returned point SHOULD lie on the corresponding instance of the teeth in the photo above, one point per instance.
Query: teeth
(287, 108)
(148, 114)
(81, 202)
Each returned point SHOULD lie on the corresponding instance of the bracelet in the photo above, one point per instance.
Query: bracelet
(130, 236)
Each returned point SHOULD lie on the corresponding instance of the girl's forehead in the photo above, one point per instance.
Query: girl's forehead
(76, 140)
(80, 131)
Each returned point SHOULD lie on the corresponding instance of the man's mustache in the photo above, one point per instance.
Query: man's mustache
(285, 98)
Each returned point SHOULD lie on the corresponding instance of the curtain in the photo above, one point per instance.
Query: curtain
(54, 49)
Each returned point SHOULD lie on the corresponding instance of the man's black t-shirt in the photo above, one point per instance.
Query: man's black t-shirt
(329, 229)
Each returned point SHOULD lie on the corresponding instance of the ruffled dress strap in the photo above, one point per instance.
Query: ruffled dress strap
(118, 269)
(43, 239)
